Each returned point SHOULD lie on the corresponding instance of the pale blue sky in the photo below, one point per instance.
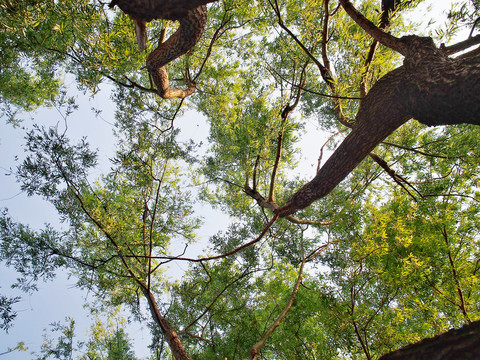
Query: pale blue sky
(58, 299)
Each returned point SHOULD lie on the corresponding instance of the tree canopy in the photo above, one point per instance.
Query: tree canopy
(379, 250)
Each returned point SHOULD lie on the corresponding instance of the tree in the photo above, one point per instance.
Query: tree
(8, 315)
(108, 343)
(448, 344)
(20, 346)
(387, 257)
(64, 348)
(430, 87)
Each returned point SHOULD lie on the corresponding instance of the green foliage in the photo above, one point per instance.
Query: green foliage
(64, 348)
(121, 220)
(465, 14)
(391, 257)
(7, 314)
(109, 342)
(42, 40)
(406, 270)
(34, 255)
(20, 347)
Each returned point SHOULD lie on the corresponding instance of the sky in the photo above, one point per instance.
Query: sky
(58, 299)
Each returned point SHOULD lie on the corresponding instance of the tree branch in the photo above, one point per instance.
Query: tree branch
(397, 178)
(215, 299)
(278, 320)
(382, 37)
(323, 70)
(328, 75)
(285, 113)
(460, 46)
(461, 305)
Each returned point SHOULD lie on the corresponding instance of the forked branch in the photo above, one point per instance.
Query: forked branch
(382, 37)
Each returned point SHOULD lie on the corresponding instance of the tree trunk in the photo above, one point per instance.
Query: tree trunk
(430, 87)
(192, 15)
(458, 344)
(178, 350)
(187, 35)
(148, 10)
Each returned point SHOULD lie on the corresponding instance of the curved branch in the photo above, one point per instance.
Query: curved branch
(284, 115)
(462, 45)
(323, 70)
(430, 87)
(191, 28)
(278, 320)
(382, 37)
(192, 15)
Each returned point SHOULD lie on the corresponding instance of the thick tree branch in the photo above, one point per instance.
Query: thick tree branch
(384, 38)
(430, 87)
(463, 343)
(462, 45)
(167, 328)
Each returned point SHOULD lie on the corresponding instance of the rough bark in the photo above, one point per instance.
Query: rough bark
(188, 34)
(430, 87)
(388, 7)
(178, 350)
(457, 344)
(148, 10)
(192, 16)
